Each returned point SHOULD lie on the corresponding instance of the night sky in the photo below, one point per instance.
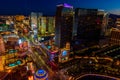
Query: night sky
(48, 7)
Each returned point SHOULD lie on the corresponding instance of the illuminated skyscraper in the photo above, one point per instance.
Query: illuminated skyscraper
(2, 46)
(51, 24)
(46, 25)
(34, 17)
(64, 24)
(43, 25)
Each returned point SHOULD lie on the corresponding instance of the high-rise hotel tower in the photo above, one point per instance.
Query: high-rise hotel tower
(64, 24)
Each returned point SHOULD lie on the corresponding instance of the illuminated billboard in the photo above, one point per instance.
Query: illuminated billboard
(64, 56)
(64, 53)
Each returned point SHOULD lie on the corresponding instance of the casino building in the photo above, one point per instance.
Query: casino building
(63, 24)
(88, 27)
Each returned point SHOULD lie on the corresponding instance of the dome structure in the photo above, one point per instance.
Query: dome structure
(41, 75)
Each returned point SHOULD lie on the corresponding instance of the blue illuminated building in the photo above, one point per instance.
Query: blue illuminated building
(41, 75)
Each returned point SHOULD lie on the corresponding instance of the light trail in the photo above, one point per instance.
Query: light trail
(38, 58)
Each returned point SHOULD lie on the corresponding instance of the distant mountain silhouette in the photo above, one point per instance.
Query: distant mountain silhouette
(114, 16)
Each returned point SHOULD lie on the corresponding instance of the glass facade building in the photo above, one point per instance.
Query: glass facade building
(64, 24)
(88, 25)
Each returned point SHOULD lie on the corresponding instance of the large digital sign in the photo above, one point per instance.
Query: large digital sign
(64, 53)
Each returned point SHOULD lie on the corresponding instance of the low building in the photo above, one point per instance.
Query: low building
(115, 36)
(41, 75)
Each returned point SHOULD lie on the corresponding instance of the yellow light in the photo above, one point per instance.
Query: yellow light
(30, 78)
(9, 71)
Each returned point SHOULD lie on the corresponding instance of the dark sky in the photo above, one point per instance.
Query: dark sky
(48, 7)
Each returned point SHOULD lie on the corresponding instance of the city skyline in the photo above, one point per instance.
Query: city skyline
(52, 40)
(47, 7)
